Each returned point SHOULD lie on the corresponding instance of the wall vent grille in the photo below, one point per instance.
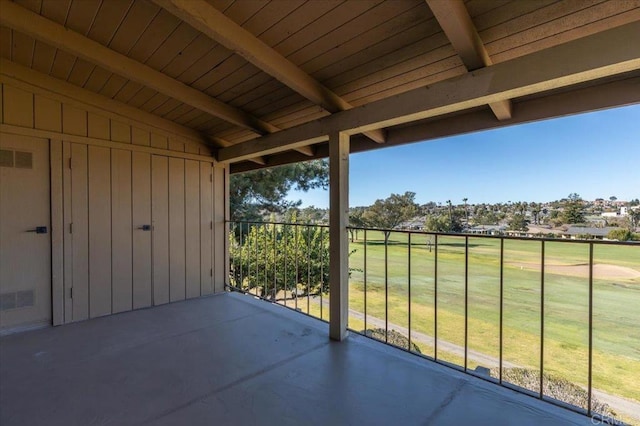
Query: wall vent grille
(17, 299)
(17, 159)
(6, 158)
(24, 160)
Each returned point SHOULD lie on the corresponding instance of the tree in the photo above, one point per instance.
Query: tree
(391, 212)
(622, 235)
(485, 217)
(312, 214)
(634, 217)
(535, 212)
(444, 222)
(255, 192)
(573, 210)
(518, 223)
(356, 218)
(613, 198)
(270, 259)
(466, 212)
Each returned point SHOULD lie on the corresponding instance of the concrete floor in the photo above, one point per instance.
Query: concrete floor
(232, 360)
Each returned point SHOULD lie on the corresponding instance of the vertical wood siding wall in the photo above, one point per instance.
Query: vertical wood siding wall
(105, 192)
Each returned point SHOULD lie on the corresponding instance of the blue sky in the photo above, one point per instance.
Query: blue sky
(595, 154)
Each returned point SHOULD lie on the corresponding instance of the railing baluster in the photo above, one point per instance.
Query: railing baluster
(265, 291)
(435, 299)
(295, 300)
(241, 259)
(386, 286)
(501, 307)
(233, 259)
(590, 372)
(321, 267)
(285, 246)
(409, 288)
(542, 320)
(275, 265)
(466, 301)
(257, 243)
(365, 280)
(308, 270)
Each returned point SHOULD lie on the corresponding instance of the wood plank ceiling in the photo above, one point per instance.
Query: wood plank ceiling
(263, 66)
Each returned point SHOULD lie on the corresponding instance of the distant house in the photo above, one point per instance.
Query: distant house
(575, 232)
(486, 229)
(623, 212)
(415, 224)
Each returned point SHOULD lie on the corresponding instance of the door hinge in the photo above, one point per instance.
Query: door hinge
(210, 177)
(211, 225)
(71, 228)
(70, 163)
(211, 272)
(71, 293)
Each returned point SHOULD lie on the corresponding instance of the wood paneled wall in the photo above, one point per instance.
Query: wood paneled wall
(32, 108)
(117, 265)
(109, 179)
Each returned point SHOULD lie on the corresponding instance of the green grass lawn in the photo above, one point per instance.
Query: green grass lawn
(616, 307)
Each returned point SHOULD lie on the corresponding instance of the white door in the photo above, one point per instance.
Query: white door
(25, 232)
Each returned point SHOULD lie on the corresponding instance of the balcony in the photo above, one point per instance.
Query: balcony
(231, 359)
(119, 129)
(550, 318)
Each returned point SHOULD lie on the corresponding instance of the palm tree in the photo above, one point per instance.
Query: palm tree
(535, 211)
(466, 213)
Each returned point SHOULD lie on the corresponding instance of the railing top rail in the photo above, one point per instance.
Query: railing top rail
(504, 237)
(253, 222)
(452, 234)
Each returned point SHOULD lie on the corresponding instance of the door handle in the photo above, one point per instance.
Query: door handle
(145, 227)
(39, 230)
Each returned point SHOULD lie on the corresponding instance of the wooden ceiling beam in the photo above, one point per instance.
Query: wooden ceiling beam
(581, 100)
(41, 28)
(222, 143)
(210, 21)
(259, 160)
(454, 19)
(590, 58)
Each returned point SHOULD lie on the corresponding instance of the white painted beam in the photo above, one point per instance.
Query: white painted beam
(210, 21)
(338, 236)
(604, 54)
(454, 19)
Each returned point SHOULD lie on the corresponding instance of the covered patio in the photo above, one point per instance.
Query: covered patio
(121, 124)
(231, 359)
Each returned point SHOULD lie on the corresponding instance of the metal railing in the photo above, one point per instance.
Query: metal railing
(283, 263)
(439, 275)
(454, 251)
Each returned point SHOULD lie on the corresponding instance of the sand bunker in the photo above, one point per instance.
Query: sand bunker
(600, 270)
